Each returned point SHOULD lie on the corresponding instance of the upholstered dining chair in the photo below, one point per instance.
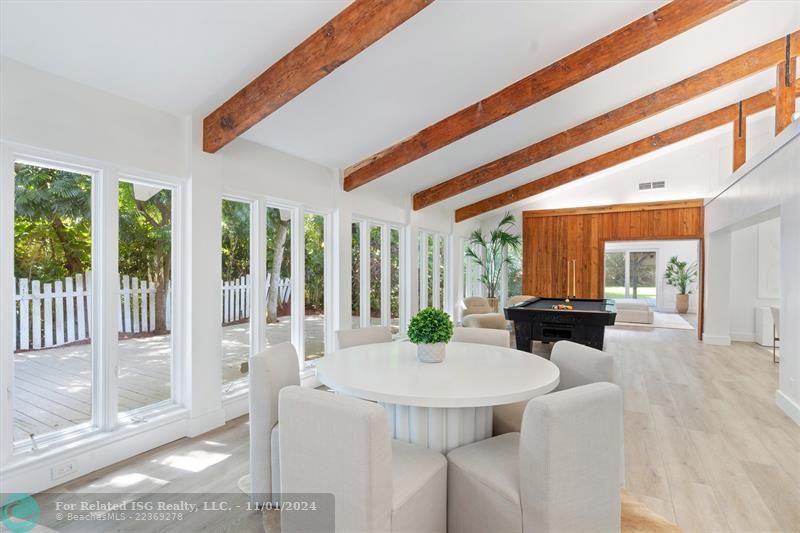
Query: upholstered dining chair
(558, 474)
(477, 313)
(270, 371)
(493, 337)
(577, 364)
(341, 445)
(345, 338)
(776, 331)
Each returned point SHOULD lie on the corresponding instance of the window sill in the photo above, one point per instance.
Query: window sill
(92, 438)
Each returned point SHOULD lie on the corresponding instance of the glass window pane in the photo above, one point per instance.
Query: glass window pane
(643, 276)
(614, 275)
(145, 277)
(429, 280)
(394, 279)
(375, 275)
(514, 269)
(52, 262)
(235, 290)
(442, 271)
(279, 273)
(314, 321)
(356, 283)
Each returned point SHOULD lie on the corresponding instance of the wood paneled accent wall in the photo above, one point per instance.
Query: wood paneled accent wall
(563, 249)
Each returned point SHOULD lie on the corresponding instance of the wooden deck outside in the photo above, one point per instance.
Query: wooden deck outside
(52, 387)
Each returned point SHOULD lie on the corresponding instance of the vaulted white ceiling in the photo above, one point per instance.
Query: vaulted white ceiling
(188, 57)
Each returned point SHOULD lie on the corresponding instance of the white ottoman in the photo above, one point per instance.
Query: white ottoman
(633, 311)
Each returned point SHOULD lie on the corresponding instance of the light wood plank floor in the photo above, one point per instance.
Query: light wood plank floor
(705, 445)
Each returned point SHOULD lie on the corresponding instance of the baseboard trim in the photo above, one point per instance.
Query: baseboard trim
(204, 423)
(788, 406)
(743, 337)
(717, 340)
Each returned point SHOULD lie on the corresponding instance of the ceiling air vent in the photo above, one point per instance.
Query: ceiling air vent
(647, 185)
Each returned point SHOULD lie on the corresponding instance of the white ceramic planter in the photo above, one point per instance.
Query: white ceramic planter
(431, 353)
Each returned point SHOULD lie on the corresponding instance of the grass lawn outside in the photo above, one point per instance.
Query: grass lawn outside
(617, 293)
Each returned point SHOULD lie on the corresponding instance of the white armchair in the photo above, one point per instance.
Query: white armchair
(493, 337)
(559, 474)
(341, 445)
(270, 371)
(345, 338)
(577, 364)
(477, 313)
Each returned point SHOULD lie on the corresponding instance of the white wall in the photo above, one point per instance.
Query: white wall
(755, 275)
(685, 250)
(768, 184)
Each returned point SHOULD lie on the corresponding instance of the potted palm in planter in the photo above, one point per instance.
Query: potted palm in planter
(430, 330)
(490, 253)
(681, 275)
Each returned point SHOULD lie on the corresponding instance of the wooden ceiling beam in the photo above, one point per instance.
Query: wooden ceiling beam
(737, 68)
(358, 26)
(784, 97)
(651, 30)
(709, 121)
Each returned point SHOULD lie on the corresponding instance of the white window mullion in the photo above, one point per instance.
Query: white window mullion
(298, 269)
(423, 269)
(435, 278)
(258, 276)
(327, 282)
(364, 274)
(386, 263)
(105, 298)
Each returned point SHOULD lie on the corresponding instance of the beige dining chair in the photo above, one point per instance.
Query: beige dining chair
(270, 371)
(335, 444)
(345, 338)
(493, 337)
(558, 474)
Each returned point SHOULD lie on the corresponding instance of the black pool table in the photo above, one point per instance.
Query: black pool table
(535, 319)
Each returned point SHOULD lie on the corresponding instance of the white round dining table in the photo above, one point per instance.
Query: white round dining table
(438, 405)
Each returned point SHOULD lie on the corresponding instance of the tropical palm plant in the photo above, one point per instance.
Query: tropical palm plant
(491, 252)
(680, 274)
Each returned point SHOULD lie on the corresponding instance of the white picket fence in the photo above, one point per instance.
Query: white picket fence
(53, 314)
(236, 298)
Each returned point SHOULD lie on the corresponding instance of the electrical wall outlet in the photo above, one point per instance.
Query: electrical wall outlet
(61, 470)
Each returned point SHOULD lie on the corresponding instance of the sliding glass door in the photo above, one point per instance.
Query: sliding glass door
(631, 274)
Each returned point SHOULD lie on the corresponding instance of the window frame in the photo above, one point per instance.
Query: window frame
(365, 224)
(105, 416)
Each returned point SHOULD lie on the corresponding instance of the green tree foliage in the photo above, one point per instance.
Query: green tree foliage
(52, 226)
(315, 263)
(235, 239)
(145, 242)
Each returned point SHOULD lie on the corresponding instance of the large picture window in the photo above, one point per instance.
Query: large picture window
(94, 298)
(53, 285)
(146, 297)
(376, 274)
(236, 293)
(433, 270)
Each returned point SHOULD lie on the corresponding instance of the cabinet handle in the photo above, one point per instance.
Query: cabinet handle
(568, 278)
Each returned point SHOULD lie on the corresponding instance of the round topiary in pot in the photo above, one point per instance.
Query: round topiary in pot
(430, 330)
